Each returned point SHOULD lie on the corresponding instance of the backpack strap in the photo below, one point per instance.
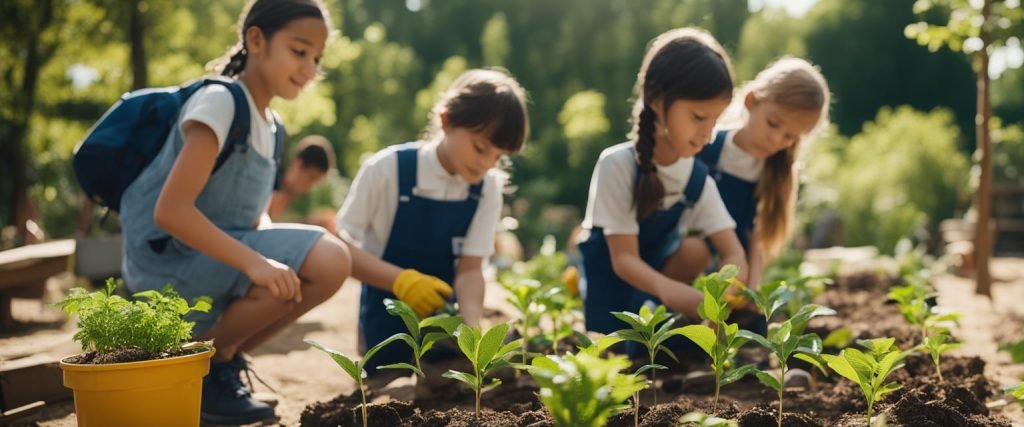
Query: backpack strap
(238, 134)
(695, 185)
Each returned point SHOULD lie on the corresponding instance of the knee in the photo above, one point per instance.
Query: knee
(266, 300)
(695, 251)
(328, 264)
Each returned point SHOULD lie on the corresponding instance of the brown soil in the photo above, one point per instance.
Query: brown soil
(133, 354)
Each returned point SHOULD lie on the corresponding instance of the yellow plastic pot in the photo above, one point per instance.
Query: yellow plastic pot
(164, 392)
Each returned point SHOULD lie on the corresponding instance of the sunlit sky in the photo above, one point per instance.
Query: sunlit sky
(793, 7)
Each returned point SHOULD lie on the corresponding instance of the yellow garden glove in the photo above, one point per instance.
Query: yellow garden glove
(571, 279)
(425, 294)
(734, 296)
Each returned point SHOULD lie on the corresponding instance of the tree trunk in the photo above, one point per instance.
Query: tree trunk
(136, 38)
(15, 152)
(982, 235)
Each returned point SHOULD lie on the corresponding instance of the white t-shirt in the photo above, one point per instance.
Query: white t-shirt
(610, 203)
(736, 162)
(214, 106)
(369, 210)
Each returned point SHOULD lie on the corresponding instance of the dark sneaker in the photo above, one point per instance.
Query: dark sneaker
(227, 401)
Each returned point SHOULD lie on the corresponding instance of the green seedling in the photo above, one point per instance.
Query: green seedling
(355, 368)
(768, 298)
(700, 419)
(789, 340)
(912, 300)
(838, 339)
(1016, 391)
(937, 344)
(423, 334)
(869, 370)
(108, 323)
(582, 390)
(722, 341)
(524, 297)
(645, 331)
(1016, 350)
(802, 291)
(487, 354)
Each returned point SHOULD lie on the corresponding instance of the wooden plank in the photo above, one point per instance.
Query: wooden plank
(14, 259)
(31, 379)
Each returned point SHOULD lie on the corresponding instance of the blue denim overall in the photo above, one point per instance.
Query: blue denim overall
(738, 194)
(233, 199)
(658, 239)
(426, 235)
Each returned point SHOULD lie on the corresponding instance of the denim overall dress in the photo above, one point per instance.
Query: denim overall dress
(426, 235)
(658, 238)
(233, 199)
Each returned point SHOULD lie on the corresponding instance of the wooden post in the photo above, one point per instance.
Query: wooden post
(982, 234)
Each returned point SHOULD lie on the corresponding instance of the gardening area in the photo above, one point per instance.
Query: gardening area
(898, 299)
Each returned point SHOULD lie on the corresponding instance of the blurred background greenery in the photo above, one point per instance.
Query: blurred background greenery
(896, 162)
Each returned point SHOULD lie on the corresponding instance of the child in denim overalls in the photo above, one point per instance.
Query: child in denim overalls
(754, 158)
(644, 191)
(432, 207)
(208, 234)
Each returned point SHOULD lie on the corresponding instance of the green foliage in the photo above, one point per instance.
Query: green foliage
(423, 334)
(789, 340)
(583, 389)
(537, 290)
(937, 344)
(768, 298)
(487, 354)
(722, 341)
(109, 323)
(1016, 391)
(355, 368)
(869, 369)
(645, 330)
(700, 419)
(904, 172)
(838, 339)
(1016, 350)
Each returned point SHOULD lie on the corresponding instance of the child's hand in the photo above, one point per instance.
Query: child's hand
(425, 294)
(278, 278)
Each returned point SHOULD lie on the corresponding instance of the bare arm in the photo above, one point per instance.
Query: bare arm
(371, 269)
(756, 262)
(469, 289)
(176, 213)
(628, 265)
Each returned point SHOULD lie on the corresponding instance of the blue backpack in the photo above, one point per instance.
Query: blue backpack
(131, 133)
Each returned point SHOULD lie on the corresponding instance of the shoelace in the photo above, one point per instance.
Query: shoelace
(230, 378)
(243, 365)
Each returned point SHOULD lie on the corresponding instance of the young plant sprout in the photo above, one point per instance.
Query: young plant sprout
(355, 368)
(423, 334)
(869, 370)
(487, 354)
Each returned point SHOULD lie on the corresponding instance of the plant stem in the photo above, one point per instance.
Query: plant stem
(780, 405)
(654, 373)
(636, 411)
(362, 392)
(714, 406)
(782, 387)
(478, 402)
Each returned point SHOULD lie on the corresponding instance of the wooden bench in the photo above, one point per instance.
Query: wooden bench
(24, 270)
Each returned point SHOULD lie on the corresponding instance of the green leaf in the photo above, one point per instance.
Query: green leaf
(768, 380)
(350, 367)
(629, 335)
(408, 316)
(605, 342)
(736, 374)
(649, 367)
(446, 322)
(814, 360)
(462, 376)
(509, 347)
(711, 307)
(841, 366)
(839, 338)
(202, 304)
(632, 319)
(728, 272)
(748, 335)
(430, 339)
(467, 339)
(404, 366)
(701, 335)
(373, 350)
(491, 343)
